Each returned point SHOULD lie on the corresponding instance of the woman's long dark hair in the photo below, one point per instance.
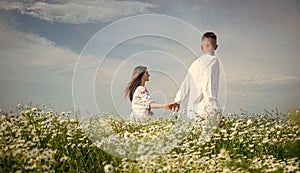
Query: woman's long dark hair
(135, 81)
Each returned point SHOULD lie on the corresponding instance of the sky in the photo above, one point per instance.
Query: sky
(80, 54)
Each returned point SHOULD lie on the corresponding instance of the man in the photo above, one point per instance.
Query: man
(202, 83)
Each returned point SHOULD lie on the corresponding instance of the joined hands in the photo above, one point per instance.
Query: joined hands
(173, 106)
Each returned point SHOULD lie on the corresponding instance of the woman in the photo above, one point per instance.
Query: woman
(139, 95)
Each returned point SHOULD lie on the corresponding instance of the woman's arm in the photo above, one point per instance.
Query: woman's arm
(146, 101)
(155, 105)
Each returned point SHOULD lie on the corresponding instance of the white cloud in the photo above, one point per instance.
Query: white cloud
(76, 11)
(33, 68)
(262, 92)
(267, 80)
(27, 56)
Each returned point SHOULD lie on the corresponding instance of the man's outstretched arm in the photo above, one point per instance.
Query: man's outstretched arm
(182, 92)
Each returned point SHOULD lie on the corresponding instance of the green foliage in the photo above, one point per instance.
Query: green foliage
(40, 140)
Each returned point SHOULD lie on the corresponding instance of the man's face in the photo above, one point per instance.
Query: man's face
(209, 45)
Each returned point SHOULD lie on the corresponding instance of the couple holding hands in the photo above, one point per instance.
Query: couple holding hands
(201, 84)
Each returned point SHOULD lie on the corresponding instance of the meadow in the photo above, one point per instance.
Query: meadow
(38, 139)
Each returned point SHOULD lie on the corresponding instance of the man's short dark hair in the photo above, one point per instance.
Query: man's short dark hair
(209, 35)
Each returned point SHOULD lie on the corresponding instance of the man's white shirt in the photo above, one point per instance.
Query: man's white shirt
(202, 85)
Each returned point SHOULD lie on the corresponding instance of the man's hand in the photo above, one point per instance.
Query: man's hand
(220, 119)
(173, 106)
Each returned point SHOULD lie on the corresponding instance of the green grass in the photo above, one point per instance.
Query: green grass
(41, 140)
